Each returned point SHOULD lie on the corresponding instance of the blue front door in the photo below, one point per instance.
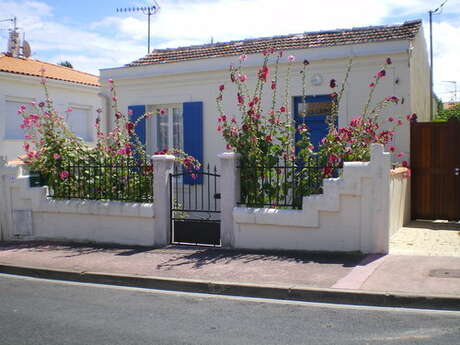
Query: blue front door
(315, 119)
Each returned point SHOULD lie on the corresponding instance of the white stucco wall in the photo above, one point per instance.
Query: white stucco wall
(420, 78)
(28, 214)
(26, 89)
(399, 199)
(198, 80)
(352, 214)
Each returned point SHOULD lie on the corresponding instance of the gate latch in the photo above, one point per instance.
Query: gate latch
(217, 196)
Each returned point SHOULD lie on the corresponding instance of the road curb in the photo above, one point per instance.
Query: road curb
(336, 296)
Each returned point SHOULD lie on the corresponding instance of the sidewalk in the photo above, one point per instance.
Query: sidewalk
(391, 280)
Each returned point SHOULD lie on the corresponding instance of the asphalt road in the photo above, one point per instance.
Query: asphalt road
(34, 311)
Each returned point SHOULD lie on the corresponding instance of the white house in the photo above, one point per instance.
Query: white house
(20, 85)
(184, 82)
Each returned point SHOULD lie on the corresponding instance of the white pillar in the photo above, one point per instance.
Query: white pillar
(230, 194)
(162, 167)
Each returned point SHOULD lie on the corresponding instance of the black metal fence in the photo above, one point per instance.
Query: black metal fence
(130, 179)
(285, 184)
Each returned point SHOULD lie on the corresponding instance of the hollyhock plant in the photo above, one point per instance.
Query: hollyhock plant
(54, 151)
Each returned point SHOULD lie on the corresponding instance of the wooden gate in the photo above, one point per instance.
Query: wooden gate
(435, 163)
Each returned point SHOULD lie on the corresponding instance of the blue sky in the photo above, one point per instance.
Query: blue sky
(92, 35)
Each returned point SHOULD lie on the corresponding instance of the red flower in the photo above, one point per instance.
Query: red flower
(268, 138)
(381, 74)
(404, 164)
(129, 126)
(282, 109)
(273, 85)
(392, 149)
(264, 72)
(371, 84)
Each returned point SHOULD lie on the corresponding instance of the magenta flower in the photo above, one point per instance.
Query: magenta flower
(162, 111)
(381, 74)
(110, 80)
(400, 154)
(242, 78)
(371, 84)
(291, 58)
(243, 57)
(282, 109)
(391, 119)
(221, 87)
(64, 174)
(273, 86)
(392, 149)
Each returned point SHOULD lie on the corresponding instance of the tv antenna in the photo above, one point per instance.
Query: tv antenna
(148, 11)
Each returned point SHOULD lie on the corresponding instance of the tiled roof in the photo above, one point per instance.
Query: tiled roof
(406, 31)
(34, 67)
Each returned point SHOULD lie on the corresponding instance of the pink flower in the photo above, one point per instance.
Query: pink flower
(291, 58)
(41, 104)
(64, 174)
(400, 154)
(264, 72)
(243, 77)
(392, 149)
(381, 74)
(280, 53)
(114, 98)
(56, 156)
(221, 87)
(26, 146)
(243, 57)
(371, 84)
(240, 99)
(228, 147)
(110, 80)
(391, 119)
(400, 123)
(273, 85)
(162, 111)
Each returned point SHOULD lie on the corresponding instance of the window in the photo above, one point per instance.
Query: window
(79, 122)
(166, 128)
(13, 120)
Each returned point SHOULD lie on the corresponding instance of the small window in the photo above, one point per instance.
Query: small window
(13, 120)
(79, 122)
(166, 127)
(314, 108)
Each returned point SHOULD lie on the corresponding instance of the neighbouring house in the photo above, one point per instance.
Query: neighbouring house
(20, 79)
(184, 82)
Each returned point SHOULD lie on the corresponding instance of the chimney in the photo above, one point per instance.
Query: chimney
(13, 44)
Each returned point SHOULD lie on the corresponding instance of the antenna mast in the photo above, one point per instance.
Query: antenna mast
(147, 10)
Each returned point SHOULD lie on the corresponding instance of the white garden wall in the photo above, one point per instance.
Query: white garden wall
(28, 214)
(399, 199)
(352, 214)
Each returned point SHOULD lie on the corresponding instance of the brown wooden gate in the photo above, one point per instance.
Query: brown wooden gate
(435, 163)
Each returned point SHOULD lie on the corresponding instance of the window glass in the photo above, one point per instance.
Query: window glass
(178, 132)
(314, 108)
(167, 128)
(162, 132)
(13, 120)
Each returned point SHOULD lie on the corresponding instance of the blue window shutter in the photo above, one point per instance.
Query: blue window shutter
(193, 135)
(138, 111)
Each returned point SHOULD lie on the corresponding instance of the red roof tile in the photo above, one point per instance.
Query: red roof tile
(406, 31)
(34, 68)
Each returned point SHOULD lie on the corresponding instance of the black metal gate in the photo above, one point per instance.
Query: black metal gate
(195, 206)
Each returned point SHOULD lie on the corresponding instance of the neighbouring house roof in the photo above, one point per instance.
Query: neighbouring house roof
(34, 68)
(406, 31)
